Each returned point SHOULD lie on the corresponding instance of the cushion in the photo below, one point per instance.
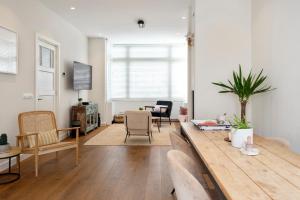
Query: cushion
(57, 145)
(157, 108)
(183, 110)
(44, 137)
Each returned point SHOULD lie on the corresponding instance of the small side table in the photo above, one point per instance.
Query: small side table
(10, 176)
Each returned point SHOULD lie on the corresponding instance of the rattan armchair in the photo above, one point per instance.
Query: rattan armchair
(31, 123)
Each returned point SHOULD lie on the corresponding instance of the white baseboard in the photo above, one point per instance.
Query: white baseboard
(104, 124)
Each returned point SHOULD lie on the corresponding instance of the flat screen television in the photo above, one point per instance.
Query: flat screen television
(82, 76)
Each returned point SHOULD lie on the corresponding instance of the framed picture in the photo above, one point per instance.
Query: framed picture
(8, 51)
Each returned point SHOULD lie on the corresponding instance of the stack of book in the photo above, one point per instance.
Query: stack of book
(211, 125)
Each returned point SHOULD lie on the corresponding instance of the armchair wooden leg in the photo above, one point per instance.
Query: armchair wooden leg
(158, 126)
(173, 191)
(36, 162)
(125, 138)
(77, 147)
(77, 155)
(170, 120)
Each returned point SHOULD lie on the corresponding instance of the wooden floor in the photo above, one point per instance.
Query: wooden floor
(105, 172)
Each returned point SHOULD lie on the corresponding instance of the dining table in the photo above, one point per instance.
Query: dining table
(272, 174)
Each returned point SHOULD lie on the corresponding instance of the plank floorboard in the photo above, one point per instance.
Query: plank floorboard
(104, 173)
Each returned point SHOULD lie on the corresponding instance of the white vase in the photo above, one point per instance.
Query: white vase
(4, 148)
(239, 137)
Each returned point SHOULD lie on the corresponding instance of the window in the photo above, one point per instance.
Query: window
(148, 72)
(8, 51)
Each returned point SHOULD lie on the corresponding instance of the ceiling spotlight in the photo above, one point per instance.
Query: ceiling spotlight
(183, 17)
(141, 23)
(72, 8)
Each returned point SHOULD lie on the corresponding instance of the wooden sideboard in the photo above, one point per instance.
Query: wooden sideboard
(85, 117)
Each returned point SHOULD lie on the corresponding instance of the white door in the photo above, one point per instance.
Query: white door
(46, 75)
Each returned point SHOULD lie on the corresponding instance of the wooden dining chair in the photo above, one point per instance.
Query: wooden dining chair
(186, 185)
(39, 135)
(178, 143)
(197, 166)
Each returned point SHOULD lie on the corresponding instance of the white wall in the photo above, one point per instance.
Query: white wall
(276, 39)
(222, 42)
(191, 60)
(28, 18)
(97, 48)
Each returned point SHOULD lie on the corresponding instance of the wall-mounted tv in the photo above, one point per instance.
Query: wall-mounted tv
(82, 76)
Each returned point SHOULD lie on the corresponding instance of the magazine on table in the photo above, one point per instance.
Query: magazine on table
(211, 125)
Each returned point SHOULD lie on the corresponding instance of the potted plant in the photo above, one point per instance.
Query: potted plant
(79, 101)
(241, 132)
(245, 87)
(4, 146)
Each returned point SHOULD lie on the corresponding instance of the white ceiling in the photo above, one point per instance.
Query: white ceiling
(117, 19)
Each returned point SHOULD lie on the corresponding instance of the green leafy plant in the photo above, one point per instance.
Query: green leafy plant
(79, 99)
(239, 123)
(141, 108)
(3, 139)
(244, 87)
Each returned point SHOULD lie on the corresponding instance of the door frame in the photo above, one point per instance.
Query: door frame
(42, 38)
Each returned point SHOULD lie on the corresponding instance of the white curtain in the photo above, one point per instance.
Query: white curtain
(148, 72)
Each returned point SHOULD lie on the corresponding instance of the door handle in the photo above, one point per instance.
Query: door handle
(39, 99)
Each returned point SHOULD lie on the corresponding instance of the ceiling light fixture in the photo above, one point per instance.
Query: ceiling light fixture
(72, 8)
(183, 17)
(141, 23)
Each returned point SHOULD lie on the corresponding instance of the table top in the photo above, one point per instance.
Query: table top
(13, 151)
(273, 174)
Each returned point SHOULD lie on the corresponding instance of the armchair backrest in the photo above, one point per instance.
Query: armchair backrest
(138, 120)
(36, 121)
(166, 103)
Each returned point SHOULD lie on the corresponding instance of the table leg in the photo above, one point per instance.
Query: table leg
(9, 164)
(19, 165)
(14, 175)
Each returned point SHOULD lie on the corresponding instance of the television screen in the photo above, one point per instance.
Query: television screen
(82, 76)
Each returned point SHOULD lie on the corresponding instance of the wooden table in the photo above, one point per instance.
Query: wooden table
(12, 152)
(273, 174)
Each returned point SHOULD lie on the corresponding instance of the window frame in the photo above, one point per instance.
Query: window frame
(127, 59)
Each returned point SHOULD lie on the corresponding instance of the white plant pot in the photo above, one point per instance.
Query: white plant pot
(239, 137)
(4, 148)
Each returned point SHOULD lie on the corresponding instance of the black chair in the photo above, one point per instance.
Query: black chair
(160, 113)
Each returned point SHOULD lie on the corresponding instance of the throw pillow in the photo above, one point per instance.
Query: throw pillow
(183, 110)
(44, 138)
(157, 109)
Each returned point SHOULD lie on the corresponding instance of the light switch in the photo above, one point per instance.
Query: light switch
(28, 96)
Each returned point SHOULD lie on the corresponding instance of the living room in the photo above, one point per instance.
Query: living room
(118, 83)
